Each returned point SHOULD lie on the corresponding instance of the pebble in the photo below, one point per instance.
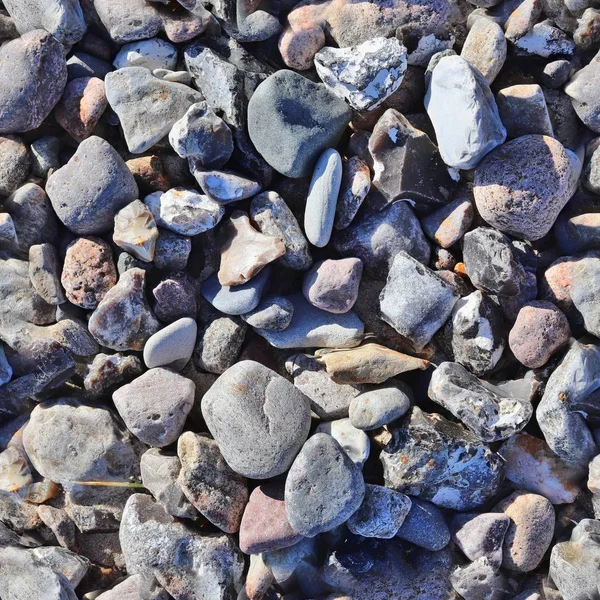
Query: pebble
(376, 408)
(175, 298)
(149, 173)
(15, 161)
(522, 19)
(485, 49)
(245, 251)
(578, 233)
(355, 185)
(218, 492)
(481, 536)
(154, 53)
(323, 487)
(235, 300)
(33, 73)
(44, 271)
(223, 186)
(524, 201)
(440, 461)
(107, 372)
(45, 155)
(82, 64)
(123, 320)
(304, 118)
(8, 234)
(353, 441)
(147, 107)
(539, 331)
(364, 75)
(172, 251)
(425, 526)
(154, 406)
(135, 587)
(273, 312)
(474, 128)
(202, 135)
(579, 89)
(172, 346)
(265, 526)
(90, 209)
(135, 231)
(478, 580)
(593, 482)
(88, 272)
(219, 344)
(448, 224)
(523, 110)
(414, 301)
(265, 443)
(530, 530)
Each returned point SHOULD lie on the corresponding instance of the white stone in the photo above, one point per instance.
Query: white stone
(355, 442)
(136, 231)
(189, 213)
(152, 54)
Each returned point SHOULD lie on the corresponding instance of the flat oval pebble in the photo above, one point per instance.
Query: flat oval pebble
(355, 442)
(171, 346)
(375, 408)
(238, 299)
(274, 312)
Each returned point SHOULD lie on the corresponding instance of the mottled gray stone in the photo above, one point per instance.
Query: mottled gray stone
(270, 416)
(274, 312)
(172, 251)
(581, 88)
(425, 526)
(110, 371)
(481, 535)
(223, 186)
(479, 580)
(238, 299)
(63, 562)
(353, 441)
(171, 346)
(44, 155)
(14, 164)
(154, 53)
(219, 344)
(485, 49)
(545, 40)
(44, 271)
(378, 407)
(356, 183)
(136, 587)
(523, 110)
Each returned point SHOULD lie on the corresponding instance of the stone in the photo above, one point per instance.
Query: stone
(539, 331)
(364, 75)
(593, 476)
(59, 445)
(87, 209)
(265, 526)
(491, 263)
(381, 514)
(272, 216)
(81, 106)
(159, 473)
(223, 186)
(322, 197)
(474, 335)
(304, 119)
(154, 406)
(375, 408)
(235, 300)
(72, 566)
(88, 272)
(312, 327)
(8, 234)
(172, 251)
(480, 579)
(135, 231)
(172, 346)
(578, 233)
(559, 413)
(332, 285)
(485, 49)
(555, 73)
(488, 411)
(6, 371)
(475, 127)
(481, 536)
(17, 514)
(273, 312)
(532, 466)
(149, 173)
(522, 19)
(219, 344)
(353, 441)
(323, 487)
(523, 110)
(213, 488)
(270, 416)
(14, 470)
(448, 224)
(245, 251)
(395, 147)
(586, 34)
(82, 64)
(530, 531)
(378, 237)
(147, 107)
(154, 53)
(545, 40)
(62, 526)
(440, 461)
(355, 185)
(201, 134)
(44, 272)
(136, 587)
(521, 198)
(33, 72)
(123, 320)
(425, 526)
(175, 298)
(15, 161)
(414, 301)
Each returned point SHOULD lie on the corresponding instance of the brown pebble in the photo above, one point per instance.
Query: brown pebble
(149, 173)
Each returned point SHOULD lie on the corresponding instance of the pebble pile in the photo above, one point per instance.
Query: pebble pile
(299, 300)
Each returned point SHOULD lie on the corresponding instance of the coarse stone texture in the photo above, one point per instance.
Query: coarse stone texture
(265, 526)
(522, 19)
(485, 49)
(149, 173)
(58, 442)
(136, 587)
(355, 185)
(545, 40)
(448, 224)
(91, 188)
(135, 231)
(523, 110)
(238, 299)
(304, 119)
(171, 346)
(323, 487)
(273, 312)
(33, 73)
(481, 535)
(353, 441)
(580, 89)
(415, 301)
(154, 53)
(15, 161)
(88, 272)
(109, 371)
(425, 526)
(440, 461)
(175, 298)
(219, 344)
(147, 107)
(209, 483)
(44, 272)
(123, 320)
(378, 407)
(381, 514)
(270, 416)
(479, 579)
(154, 406)
(364, 75)
(519, 197)
(223, 186)
(530, 530)
(172, 251)
(488, 411)
(473, 128)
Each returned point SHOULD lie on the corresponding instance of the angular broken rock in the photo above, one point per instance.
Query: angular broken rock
(186, 211)
(135, 231)
(440, 461)
(223, 186)
(364, 75)
(44, 271)
(245, 251)
(488, 412)
(356, 183)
